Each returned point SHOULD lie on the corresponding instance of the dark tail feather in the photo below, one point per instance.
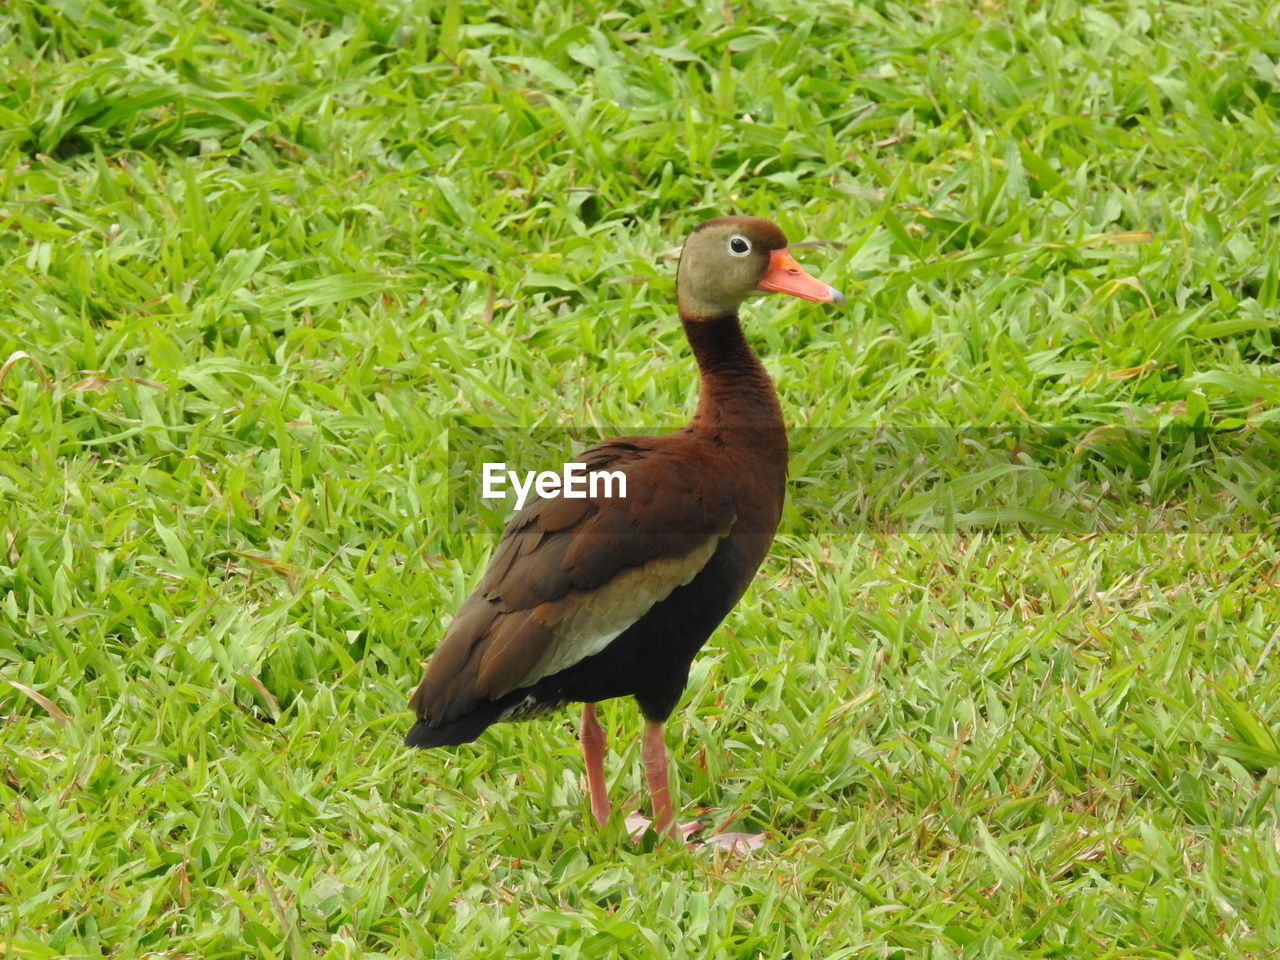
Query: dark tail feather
(463, 730)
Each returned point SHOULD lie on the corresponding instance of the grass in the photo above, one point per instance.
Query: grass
(1004, 688)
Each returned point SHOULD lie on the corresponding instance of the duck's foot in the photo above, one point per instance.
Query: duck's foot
(733, 842)
(637, 824)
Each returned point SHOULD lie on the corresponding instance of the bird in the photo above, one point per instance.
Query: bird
(589, 599)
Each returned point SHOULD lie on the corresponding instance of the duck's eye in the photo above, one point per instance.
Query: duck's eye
(739, 246)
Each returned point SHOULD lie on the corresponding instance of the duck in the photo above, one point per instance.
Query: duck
(593, 598)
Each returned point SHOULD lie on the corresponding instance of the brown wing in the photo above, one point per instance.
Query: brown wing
(569, 575)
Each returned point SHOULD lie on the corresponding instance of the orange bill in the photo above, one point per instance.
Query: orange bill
(786, 276)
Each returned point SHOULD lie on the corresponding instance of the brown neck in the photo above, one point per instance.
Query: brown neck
(735, 390)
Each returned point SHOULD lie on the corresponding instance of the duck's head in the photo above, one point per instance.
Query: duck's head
(728, 259)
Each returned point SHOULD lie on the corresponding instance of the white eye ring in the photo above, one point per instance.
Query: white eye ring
(739, 245)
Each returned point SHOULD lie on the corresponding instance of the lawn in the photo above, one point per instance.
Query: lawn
(272, 277)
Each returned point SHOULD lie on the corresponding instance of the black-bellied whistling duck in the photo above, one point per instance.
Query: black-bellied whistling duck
(589, 599)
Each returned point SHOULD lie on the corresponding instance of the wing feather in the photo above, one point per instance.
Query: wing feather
(569, 575)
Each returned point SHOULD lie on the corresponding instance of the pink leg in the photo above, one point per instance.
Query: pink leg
(654, 754)
(592, 739)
